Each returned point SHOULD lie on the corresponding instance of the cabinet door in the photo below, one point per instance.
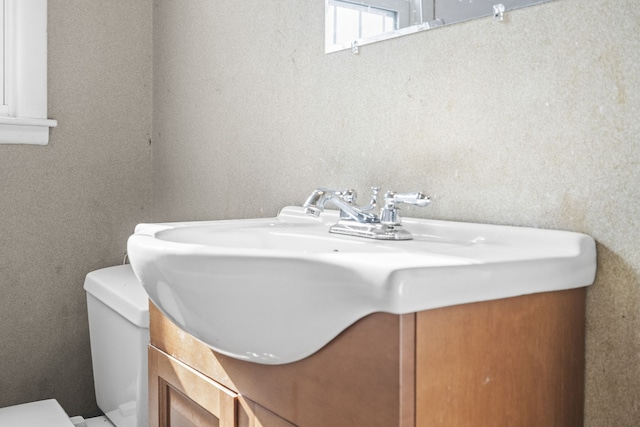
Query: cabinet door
(179, 396)
(250, 414)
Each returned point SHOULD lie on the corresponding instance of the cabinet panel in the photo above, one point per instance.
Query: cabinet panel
(182, 397)
(253, 415)
(181, 411)
(509, 362)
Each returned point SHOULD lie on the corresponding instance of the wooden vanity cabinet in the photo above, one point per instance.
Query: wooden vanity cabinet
(510, 362)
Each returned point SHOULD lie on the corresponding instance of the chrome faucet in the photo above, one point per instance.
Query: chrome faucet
(343, 200)
(359, 221)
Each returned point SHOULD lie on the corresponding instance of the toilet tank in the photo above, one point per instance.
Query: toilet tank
(119, 330)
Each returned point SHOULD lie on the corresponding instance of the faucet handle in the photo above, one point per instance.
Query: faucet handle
(417, 198)
(349, 195)
(389, 213)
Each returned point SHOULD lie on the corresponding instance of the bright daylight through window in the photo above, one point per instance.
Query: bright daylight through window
(23, 73)
(347, 21)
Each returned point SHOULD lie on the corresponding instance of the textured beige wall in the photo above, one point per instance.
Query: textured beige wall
(533, 121)
(67, 208)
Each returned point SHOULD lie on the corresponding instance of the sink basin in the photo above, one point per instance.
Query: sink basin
(276, 290)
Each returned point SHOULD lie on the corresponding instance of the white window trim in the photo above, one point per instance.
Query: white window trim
(24, 119)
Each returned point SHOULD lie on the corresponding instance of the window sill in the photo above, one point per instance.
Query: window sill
(25, 130)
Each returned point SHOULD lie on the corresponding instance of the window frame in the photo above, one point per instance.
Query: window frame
(23, 117)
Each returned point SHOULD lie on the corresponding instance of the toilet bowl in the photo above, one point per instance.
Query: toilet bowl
(119, 332)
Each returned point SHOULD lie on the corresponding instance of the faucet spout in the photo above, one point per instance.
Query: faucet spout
(314, 205)
(316, 202)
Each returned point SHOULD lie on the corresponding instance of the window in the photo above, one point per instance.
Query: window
(2, 25)
(352, 21)
(23, 75)
(349, 21)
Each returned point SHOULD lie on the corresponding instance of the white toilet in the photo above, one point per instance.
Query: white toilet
(119, 330)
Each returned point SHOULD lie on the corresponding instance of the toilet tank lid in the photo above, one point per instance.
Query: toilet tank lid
(35, 414)
(118, 288)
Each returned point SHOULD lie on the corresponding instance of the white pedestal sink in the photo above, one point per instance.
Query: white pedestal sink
(276, 290)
